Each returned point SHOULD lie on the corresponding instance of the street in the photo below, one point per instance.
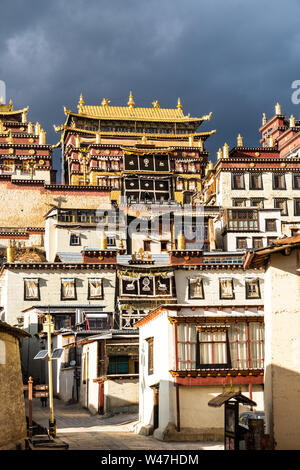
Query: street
(84, 431)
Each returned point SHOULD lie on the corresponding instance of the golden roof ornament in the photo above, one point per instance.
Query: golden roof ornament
(155, 104)
(37, 128)
(271, 141)
(292, 121)
(10, 104)
(24, 117)
(131, 102)
(77, 141)
(1, 127)
(105, 102)
(264, 119)
(239, 141)
(180, 241)
(30, 128)
(225, 150)
(80, 103)
(179, 105)
(219, 154)
(277, 109)
(191, 140)
(144, 139)
(10, 137)
(42, 139)
(200, 145)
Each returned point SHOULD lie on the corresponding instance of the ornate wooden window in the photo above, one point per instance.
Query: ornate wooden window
(246, 342)
(74, 239)
(255, 181)
(242, 220)
(95, 288)
(257, 242)
(270, 225)
(239, 202)
(196, 290)
(186, 346)
(279, 181)
(296, 206)
(281, 204)
(241, 243)
(68, 289)
(226, 288)
(257, 202)
(213, 347)
(237, 181)
(296, 180)
(118, 365)
(8, 166)
(31, 289)
(252, 289)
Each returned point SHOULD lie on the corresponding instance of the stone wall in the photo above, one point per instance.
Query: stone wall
(12, 409)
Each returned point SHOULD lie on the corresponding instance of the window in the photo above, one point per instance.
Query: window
(147, 245)
(192, 185)
(74, 239)
(255, 181)
(186, 346)
(213, 347)
(242, 219)
(118, 365)
(235, 345)
(246, 341)
(196, 288)
(163, 246)
(296, 206)
(111, 241)
(101, 181)
(241, 243)
(95, 289)
(270, 225)
(294, 232)
(226, 288)
(257, 203)
(296, 181)
(31, 289)
(150, 342)
(179, 185)
(114, 183)
(64, 321)
(26, 169)
(252, 289)
(281, 204)
(278, 181)
(8, 166)
(68, 290)
(271, 240)
(239, 202)
(257, 242)
(237, 181)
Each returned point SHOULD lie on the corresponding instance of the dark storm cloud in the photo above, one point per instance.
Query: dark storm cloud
(234, 58)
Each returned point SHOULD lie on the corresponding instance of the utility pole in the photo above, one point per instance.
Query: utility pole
(48, 327)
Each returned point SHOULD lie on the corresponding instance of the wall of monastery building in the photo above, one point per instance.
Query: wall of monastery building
(121, 394)
(211, 279)
(12, 291)
(282, 371)
(27, 203)
(12, 409)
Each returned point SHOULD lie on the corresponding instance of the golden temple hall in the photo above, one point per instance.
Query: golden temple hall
(147, 154)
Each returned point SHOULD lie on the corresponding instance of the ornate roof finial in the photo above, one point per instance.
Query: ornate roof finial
(144, 139)
(42, 139)
(98, 138)
(264, 119)
(80, 103)
(10, 137)
(239, 141)
(105, 102)
(37, 128)
(292, 121)
(225, 150)
(219, 154)
(179, 105)
(10, 105)
(30, 128)
(155, 104)
(277, 109)
(131, 103)
(271, 141)
(24, 117)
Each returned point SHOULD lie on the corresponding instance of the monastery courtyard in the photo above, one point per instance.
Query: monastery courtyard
(84, 431)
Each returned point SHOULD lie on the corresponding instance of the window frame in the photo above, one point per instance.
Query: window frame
(61, 289)
(268, 221)
(95, 297)
(247, 283)
(296, 200)
(38, 296)
(233, 181)
(284, 211)
(190, 297)
(273, 181)
(150, 355)
(237, 239)
(221, 296)
(260, 180)
(78, 237)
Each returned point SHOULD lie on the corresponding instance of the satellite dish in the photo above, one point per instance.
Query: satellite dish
(72, 363)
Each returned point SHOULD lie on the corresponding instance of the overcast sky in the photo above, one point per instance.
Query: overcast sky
(236, 58)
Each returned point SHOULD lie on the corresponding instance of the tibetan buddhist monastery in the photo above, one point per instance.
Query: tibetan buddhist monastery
(150, 154)
(24, 154)
(264, 177)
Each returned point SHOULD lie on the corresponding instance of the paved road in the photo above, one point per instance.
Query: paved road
(83, 431)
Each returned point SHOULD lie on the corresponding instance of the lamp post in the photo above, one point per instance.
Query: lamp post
(48, 327)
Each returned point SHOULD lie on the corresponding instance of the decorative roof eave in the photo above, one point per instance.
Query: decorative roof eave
(11, 112)
(154, 136)
(120, 117)
(220, 372)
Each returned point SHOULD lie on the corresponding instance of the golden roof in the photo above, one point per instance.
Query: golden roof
(8, 109)
(131, 112)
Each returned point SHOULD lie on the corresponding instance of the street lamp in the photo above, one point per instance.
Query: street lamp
(48, 327)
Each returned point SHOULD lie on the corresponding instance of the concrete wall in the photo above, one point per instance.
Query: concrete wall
(282, 359)
(121, 394)
(12, 409)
